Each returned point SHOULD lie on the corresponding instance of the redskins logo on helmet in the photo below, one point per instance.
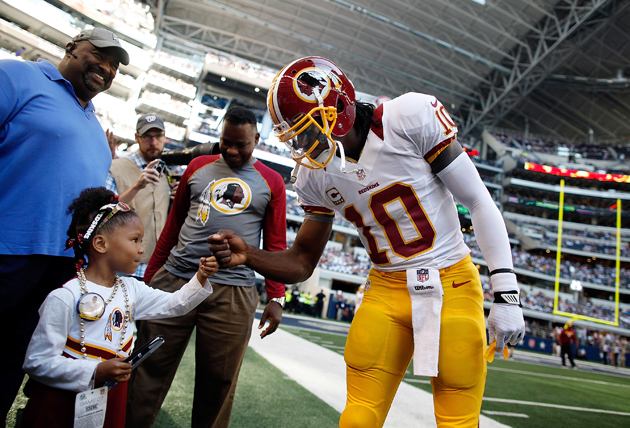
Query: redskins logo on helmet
(310, 101)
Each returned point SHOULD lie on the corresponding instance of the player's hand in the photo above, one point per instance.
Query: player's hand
(149, 175)
(505, 325)
(114, 370)
(273, 313)
(208, 266)
(229, 248)
(112, 140)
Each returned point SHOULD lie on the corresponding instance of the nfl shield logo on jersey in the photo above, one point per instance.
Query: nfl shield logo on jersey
(423, 275)
(361, 174)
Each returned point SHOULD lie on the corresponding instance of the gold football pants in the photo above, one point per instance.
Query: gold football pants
(380, 346)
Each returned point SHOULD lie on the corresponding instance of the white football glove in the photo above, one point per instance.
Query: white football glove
(505, 322)
(505, 325)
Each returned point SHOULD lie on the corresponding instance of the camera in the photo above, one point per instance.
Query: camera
(160, 167)
(184, 156)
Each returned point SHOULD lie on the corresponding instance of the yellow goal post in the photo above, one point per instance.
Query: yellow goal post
(556, 311)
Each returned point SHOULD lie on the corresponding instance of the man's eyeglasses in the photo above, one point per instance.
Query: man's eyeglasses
(147, 138)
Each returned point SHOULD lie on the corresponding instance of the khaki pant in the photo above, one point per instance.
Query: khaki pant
(224, 323)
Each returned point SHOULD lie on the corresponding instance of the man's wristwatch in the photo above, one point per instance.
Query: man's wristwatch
(278, 300)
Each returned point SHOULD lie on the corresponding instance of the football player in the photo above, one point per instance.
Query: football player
(393, 172)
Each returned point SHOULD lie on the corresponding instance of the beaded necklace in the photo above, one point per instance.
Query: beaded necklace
(117, 283)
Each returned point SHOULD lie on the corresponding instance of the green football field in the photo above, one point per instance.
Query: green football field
(517, 394)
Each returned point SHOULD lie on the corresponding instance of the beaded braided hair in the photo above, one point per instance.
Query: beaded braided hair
(91, 203)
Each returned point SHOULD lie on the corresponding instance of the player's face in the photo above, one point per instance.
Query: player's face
(311, 141)
(124, 249)
(237, 143)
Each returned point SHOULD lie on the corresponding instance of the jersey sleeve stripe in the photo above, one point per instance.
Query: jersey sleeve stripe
(318, 210)
(377, 127)
(435, 151)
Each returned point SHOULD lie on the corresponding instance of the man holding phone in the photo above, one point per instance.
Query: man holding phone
(142, 183)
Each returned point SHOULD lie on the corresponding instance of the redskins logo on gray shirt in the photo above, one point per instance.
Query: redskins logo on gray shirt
(228, 195)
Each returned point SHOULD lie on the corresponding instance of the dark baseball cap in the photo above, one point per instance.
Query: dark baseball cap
(102, 38)
(149, 121)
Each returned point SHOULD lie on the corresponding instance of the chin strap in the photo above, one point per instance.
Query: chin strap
(342, 168)
(294, 174)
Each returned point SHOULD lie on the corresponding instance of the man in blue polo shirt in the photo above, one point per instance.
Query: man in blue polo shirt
(51, 147)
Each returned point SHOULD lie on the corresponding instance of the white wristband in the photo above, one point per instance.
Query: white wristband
(504, 282)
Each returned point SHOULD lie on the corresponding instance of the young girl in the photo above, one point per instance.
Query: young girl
(85, 329)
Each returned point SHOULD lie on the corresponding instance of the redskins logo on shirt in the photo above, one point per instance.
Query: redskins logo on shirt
(228, 195)
(117, 319)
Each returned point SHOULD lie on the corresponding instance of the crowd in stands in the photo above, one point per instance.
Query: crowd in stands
(184, 65)
(551, 146)
(344, 262)
(497, 163)
(578, 212)
(242, 67)
(340, 261)
(172, 83)
(129, 13)
(585, 273)
(123, 126)
(207, 129)
(174, 132)
(600, 247)
(269, 148)
(586, 233)
(590, 241)
(165, 103)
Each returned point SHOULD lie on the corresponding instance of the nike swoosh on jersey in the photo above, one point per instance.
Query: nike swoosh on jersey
(455, 285)
(434, 105)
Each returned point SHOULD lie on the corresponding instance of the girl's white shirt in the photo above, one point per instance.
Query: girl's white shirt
(59, 323)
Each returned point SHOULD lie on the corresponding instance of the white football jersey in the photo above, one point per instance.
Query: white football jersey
(405, 215)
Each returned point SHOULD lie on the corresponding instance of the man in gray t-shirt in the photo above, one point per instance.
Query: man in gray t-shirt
(234, 191)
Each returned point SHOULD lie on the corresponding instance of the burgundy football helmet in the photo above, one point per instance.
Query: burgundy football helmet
(311, 100)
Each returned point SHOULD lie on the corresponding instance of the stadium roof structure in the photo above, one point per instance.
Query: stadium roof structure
(559, 68)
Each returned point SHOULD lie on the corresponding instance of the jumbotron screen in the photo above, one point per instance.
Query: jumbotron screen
(617, 178)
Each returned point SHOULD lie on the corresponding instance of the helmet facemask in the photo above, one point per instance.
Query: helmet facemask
(307, 137)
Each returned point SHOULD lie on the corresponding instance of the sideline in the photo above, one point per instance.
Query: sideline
(575, 379)
(556, 406)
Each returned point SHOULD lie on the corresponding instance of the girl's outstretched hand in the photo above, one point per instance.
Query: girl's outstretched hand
(208, 266)
(114, 370)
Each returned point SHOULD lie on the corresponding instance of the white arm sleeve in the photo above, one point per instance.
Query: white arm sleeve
(505, 321)
(463, 181)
